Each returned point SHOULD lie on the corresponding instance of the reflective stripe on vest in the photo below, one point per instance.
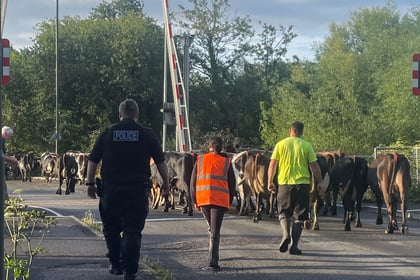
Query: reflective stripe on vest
(212, 180)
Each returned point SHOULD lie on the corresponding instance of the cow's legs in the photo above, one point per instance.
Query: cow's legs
(348, 205)
(315, 225)
(326, 204)
(358, 209)
(67, 187)
(181, 198)
(257, 215)
(59, 187)
(404, 227)
(167, 203)
(390, 228)
(272, 198)
(172, 201)
(334, 203)
(241, 201)
(189, 207)
(378, 197)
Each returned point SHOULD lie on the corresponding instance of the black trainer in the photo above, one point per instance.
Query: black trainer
(115, 270)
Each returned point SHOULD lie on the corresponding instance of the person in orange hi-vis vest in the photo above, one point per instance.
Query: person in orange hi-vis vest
(212, 189)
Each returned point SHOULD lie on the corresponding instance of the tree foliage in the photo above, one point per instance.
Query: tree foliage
(101, 62)
(360, 89)
(356, 94)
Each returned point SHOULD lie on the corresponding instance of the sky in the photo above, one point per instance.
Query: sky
(310, 18)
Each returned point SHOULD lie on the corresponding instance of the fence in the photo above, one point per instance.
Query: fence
(412, 154)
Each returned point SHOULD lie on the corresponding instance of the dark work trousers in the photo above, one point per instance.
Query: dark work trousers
(123, 213)
(293, 200)
(214, 217)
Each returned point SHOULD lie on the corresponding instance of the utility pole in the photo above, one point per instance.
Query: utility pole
(186, 40)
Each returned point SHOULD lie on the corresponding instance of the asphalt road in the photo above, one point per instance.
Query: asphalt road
(250, 250)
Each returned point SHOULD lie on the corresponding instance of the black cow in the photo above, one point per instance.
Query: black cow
(184, 168)
(82, 160)
(68, 173)
(26, 164)
(331, 158)
(49, 166)
(317, 195)
(348, 177)
(394, 180)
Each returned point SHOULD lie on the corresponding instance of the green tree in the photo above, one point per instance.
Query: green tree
(117, 9)
(101, 62)
(220, 44)
(359, 88)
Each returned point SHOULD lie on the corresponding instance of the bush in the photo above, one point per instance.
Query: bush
(26, 229)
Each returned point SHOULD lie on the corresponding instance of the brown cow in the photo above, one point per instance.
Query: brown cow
(394, 181)
(256, 174)
(330, 203)
(372, 182)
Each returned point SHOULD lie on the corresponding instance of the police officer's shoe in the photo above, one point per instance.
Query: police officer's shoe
(115, 270)
(215, 267)
(295, 251)
(130, 276)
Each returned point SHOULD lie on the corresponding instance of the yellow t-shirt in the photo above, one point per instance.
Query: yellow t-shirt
(294, 155)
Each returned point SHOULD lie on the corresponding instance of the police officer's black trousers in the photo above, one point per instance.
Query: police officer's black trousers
(123, 215)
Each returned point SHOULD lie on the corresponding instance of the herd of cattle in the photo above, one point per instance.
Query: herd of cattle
(70, 167)
(349, 177)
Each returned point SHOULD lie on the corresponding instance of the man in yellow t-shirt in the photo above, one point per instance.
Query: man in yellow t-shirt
(294, 159)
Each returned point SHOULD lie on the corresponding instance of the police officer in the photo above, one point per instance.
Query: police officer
(212, 188)
(125, 149)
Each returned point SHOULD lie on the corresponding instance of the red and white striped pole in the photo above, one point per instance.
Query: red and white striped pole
(416, 69)
(6, 61)
(175, 79)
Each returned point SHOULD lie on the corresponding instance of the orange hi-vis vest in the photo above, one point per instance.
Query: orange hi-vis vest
(212, 180)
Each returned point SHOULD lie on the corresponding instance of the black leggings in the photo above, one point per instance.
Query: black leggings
(214, 217)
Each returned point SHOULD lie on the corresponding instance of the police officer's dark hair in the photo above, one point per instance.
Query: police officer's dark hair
(216, 143)
(129, 108)
(297, 127)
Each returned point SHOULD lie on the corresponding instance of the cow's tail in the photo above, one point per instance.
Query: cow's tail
(392, 168)
(258, 179)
